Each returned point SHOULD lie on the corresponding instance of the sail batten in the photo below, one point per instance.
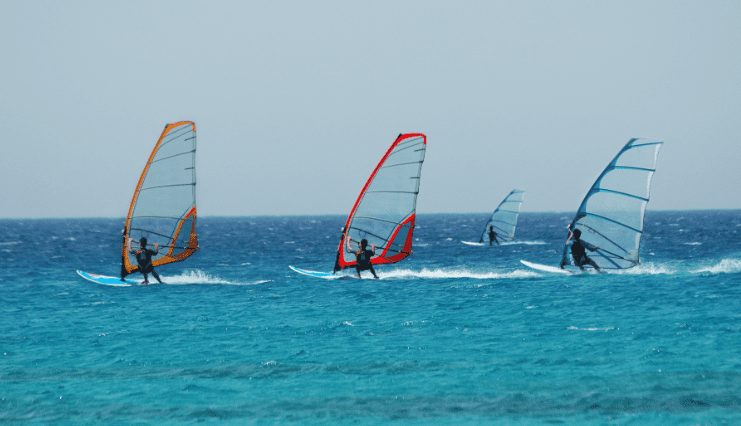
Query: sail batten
(384, 213)
(503, 221)
(611, 215)
(163, 208)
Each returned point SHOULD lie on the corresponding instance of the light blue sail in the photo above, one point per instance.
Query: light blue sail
(611, 215)
(504, 219)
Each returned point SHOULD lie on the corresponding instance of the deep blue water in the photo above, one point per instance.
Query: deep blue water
(452, 335)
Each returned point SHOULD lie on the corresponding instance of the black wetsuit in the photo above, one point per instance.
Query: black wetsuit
(144, 259)
(363, 260)
(579, 253)
(493, 237)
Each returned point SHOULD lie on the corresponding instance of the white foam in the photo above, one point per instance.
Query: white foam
(648, 268)
(200, 277)
(726, 266)
(456, 273)
(529, 243)
(10, 243)
(591, 328)
(693, 244)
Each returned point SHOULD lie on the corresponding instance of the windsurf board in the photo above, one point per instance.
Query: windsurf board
(324, 275)
(546, 268)
(470, 243)
(110, 281)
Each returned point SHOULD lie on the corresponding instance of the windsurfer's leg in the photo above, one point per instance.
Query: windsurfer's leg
(580, 263)
(594, 264)
(156, 276)
(374, 272)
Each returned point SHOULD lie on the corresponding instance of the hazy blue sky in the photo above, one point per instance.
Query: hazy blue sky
(295, 102)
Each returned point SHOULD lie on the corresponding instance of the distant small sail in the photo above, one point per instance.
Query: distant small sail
(611, 215)
(385, 210)
(163, 208)
(504, 218)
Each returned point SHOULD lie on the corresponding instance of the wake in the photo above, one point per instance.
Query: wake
(446, 273)
(529, 243)
(200, 277)
(648, 268)
(726, 266)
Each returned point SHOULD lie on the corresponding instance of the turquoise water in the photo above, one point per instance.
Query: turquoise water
(452, 335)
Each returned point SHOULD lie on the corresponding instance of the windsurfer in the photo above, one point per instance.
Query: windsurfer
(144, 259)
(363, 256)
(578, 251)
(492, 235)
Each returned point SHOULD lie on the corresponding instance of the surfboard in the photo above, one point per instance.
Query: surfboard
(315, 274)
(470, 243)
(546, 268)
(110, 281)
(324, 275)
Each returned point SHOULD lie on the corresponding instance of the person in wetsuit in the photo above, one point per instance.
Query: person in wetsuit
(363, 256)
(337, 266)
(144, 260)
(492, 235)
(579, 251)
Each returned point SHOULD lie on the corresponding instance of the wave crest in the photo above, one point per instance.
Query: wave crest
(457, 273)
(726, 266)
(199, 277)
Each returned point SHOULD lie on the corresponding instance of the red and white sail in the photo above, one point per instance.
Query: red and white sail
(385, 210)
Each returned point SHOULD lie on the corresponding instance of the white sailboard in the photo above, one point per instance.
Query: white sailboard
(546, 268)
(471, 243)
(109, 281)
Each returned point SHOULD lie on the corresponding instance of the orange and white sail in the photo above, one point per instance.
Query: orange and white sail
(163, 208)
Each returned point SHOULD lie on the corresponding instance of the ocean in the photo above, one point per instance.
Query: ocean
(452, 335)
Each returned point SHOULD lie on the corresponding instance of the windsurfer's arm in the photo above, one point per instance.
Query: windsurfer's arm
(156, 248)
(373, 247)
(589, 246)
(349, 248)
(571, 235)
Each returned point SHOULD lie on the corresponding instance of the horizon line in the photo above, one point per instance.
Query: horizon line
(344, 215)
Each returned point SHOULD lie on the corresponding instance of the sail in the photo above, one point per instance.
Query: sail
(384, 212)
(504, 219)
(163, 208)
(611, 215)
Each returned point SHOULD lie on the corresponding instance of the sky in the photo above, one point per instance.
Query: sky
(295, 102)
